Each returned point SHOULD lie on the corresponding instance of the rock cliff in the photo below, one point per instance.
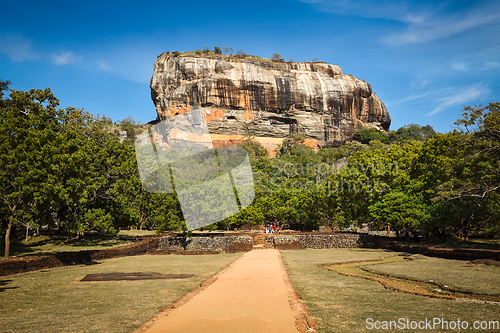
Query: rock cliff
(266, 99)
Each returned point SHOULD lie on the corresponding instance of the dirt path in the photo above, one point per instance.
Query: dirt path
(254, 294)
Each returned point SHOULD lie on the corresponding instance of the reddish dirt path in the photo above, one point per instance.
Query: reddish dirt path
(254, 294)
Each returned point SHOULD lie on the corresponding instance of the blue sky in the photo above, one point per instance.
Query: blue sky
(424, 59)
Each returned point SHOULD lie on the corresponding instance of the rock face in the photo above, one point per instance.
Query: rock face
(266, 99)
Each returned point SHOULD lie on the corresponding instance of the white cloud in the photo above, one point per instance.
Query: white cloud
(460, 97)
(65, 58)
(16, 47)
(425, 22)
(417, 84)
(102, 64)
(418, 96)
(491, 65)
(460, 67)
(440, 26)
(403, 11)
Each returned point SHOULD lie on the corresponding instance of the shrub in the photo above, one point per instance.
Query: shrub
(368, 134)
(277, 57)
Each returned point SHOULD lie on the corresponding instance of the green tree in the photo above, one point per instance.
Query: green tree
(241, 54)
(475, 180)
(352, 148)
(412, 132)
(29, 121)
(254, 148)
(400, 210)
(368, 134)
(227, 50)
(294, 146)
(276, 57)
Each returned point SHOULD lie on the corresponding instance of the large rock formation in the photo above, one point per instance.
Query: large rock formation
(267, 99)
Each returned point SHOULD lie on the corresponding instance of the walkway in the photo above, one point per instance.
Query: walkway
(251, 295)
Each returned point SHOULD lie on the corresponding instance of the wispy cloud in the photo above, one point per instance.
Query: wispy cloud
(438, 25)
(418, 84)
(460, 97)
(460, 67)
(102, 64)
(65, 58)
(425, 22)
(17, 48)
(491, 65)
(417, 96)
(403, 11)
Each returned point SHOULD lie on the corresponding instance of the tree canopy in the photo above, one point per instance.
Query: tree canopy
(66, 170)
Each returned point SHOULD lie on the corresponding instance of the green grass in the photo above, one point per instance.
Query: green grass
(453, 273)
(343, 304)
(55, 301)
(136, 232)
(472, 243)
(475, 243)
(43, 244)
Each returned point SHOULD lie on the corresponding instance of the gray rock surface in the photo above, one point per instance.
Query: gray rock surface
(267, 99)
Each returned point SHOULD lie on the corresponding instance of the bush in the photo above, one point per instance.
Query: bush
(369, 134)
(277, 57)
(241, 54)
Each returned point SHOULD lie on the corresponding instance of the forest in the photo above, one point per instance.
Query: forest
(66, 170)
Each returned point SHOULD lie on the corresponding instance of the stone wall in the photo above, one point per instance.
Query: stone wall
(217, 244)
(334, 241)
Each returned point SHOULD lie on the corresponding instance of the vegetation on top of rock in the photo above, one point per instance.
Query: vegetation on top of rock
(228, 52)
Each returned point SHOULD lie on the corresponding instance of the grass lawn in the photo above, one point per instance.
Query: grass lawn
(343, 304)
(43, 244)
(459, 274)
(472, 243)
(54, 300)
(136, 232)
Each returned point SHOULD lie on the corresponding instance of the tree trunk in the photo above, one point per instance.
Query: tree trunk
(27, 231)
(7, 241)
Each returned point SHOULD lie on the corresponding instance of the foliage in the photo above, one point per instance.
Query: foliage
(227, 50)
(368, 134)
(254, 148)
(241, 54)
(276, 57)
(352, 148)
(412, 132)
(64, 169)
(400, 210)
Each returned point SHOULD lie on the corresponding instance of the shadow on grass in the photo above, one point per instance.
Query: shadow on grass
(480, 244)
(3, 283)
(53, 244)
